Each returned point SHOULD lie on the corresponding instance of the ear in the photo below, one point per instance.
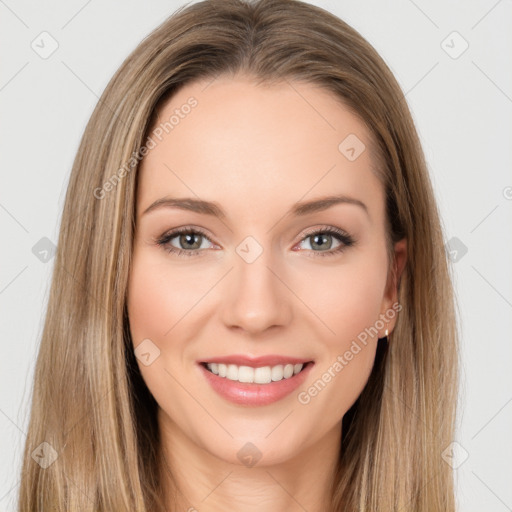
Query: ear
(391, 291)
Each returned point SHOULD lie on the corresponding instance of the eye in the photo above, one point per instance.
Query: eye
(186, 237)
(189, 241)
(322, 238)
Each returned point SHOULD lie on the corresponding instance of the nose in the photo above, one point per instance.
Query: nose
(256, 296)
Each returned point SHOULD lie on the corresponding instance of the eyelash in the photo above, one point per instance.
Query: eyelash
(345, 239)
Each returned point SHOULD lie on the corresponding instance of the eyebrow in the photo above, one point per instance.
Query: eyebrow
(212, 208)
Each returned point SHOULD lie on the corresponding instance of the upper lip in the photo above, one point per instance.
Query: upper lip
(255, 362)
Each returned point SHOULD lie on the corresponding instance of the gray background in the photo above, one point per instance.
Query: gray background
(462, 106)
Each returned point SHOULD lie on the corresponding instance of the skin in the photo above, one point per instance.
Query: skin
(256, 151)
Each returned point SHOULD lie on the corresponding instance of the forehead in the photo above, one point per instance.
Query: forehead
(244, 144)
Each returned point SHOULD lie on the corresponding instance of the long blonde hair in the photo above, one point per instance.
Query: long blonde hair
(90, 403)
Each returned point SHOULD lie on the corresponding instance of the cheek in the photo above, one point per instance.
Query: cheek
(153, 313)
(348, 301)
(159, 297)
(149, 309)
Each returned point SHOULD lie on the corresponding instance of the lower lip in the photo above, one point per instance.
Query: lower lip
(242, 393)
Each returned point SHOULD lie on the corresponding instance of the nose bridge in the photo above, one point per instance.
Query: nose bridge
(257, 298)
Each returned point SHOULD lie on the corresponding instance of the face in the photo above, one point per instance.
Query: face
(254, 272)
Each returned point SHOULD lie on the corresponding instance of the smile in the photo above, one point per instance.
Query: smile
(260, 375)
(254, 386)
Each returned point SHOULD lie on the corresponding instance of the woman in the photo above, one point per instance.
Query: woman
(202, 351)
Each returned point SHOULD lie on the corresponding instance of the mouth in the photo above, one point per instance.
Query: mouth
(256, 374)
(255, 382)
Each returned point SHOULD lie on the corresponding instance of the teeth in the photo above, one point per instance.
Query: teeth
(262, 375)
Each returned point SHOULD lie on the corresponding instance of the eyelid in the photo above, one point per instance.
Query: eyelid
(323, 229)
